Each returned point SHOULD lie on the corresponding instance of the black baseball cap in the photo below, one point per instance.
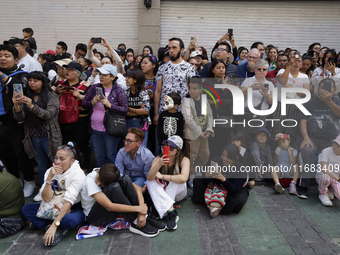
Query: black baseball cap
(13, 41)
(75, 66)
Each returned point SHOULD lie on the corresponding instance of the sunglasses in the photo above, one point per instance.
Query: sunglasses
(261, 69)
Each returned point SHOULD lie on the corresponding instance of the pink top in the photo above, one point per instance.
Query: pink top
(98, 114)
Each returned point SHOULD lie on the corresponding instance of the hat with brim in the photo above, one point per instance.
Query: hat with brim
(175, 141)
(107, 69)
(195, 54)
(62, 62)
(337, 139)
(261, 129)
(74, 66)
(13, 41)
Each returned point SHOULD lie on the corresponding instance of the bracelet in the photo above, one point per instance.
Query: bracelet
(163, 177)
(49, 182)
(2, 77)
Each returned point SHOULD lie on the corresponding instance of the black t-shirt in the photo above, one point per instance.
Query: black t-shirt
(323, 123)
(169, 124)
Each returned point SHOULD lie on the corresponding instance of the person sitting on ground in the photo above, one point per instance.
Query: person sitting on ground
(167, 180)
(261, 151)
(67, 176)
(237, 138)
(134, 160)
(285, 159)
(106, 194)
(327, 176)
(232, 192)
(11, 201)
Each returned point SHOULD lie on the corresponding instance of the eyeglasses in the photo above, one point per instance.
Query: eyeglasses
(261, 69)
(251, 57)
(221, 50)
(128, 141)
(323, 51)
(317, 48)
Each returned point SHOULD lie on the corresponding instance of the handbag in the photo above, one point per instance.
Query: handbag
(50, 210)
(115, 124)
(144, 123)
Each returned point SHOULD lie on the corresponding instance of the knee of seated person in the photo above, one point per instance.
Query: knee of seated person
(307, 150)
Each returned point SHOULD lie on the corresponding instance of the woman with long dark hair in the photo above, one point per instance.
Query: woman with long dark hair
(138, 101)
(39, 108)
(147, 50)
(48, 68)
(271, 59)
(328, 68)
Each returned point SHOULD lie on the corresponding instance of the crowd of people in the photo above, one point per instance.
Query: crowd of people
(150, 122)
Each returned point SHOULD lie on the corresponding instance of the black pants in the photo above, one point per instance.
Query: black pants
(121, 192)
(79, 132)
(12, 151)
(234, 202)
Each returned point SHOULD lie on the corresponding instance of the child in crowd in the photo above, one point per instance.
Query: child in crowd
(28, 33)
(285, 164)
(197, 127)
(170, 121)
(106, 194)
(236, 137)
(260, 150)
(328, 173)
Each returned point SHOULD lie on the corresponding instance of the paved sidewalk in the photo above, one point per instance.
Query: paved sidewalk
(269, 223)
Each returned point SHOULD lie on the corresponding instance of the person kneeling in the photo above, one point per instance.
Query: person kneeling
(106, 194)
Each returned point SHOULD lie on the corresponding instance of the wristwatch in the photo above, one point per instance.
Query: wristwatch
(57, 223)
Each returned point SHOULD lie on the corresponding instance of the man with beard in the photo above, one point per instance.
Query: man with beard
(172, 76)
(11, 133)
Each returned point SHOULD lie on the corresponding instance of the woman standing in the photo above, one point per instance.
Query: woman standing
(242, 54)
(46, 63)
(77, 131)
(67, 176)
(149, 67)
(138, 102)
(112, 99)
(147, 50)
(272, 56)
(39, 110)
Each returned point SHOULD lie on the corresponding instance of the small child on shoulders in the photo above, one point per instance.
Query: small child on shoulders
(285, 164)
(28, 36)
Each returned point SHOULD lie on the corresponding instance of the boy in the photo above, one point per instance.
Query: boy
(328, 175)
(28, 33)
(197, 127)
(236, 137)
(285, 164)
(170, 121)
(106, 194)
(261, 151)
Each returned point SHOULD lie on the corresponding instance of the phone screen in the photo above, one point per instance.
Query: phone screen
(327, 86)
(99, 91)
(97, 40)
(17, 89)
(230, 32)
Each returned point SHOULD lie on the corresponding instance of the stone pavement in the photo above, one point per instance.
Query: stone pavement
(269, 223)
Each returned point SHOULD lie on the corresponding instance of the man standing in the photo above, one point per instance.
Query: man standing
(281, 63)
(246, 67)
(134, 159)
(60, 48)
(28, 62)
(11, 133)
(259, 46)
(317, 130)
(172, 76)
(81, 50)
(223, 52)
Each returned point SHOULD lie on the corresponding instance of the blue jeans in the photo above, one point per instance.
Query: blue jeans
(135, 122)
(105, 147)
(69, 221)
(40, 145)
(138, 181)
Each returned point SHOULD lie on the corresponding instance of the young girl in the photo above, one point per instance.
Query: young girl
(39, 108)
(138, 102)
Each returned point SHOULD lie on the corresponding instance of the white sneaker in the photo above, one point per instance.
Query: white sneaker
(29, 188)
(279, 188)
(37, 197)
(330, 195)
(325, 200)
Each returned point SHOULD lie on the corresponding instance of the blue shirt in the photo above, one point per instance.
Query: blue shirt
(243, 71)
(139, 166)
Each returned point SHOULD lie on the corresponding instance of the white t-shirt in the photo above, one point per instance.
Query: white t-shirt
(89, 189)
(30, 64)
(333, 161)
(257, 96)
(175, 79)
(243, 150)
(295, 82)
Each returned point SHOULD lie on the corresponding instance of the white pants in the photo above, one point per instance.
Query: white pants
(164, 199)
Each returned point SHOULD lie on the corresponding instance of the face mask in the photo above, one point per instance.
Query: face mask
(169, 103)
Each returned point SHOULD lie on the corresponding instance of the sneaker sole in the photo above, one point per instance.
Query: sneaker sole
(279, 189)
(302, 196)
(292, 193)
(138, 232)
(176, 220)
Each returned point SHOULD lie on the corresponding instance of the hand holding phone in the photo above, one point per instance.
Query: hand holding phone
(327, 85)
(17, 90)
(230, 33)
(166, 151)
(96, 40)
(99, 91)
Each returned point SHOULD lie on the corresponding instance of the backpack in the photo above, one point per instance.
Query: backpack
(68, 108)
